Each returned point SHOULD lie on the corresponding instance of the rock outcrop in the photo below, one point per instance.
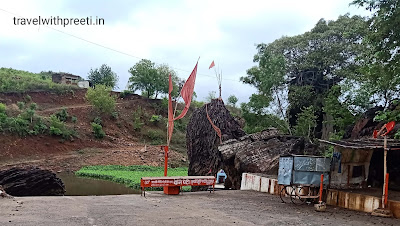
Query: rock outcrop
(31, 182)
(259, 153)
(202, 140)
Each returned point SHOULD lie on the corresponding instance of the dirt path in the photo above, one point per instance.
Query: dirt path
(76, 106)
(200, 208)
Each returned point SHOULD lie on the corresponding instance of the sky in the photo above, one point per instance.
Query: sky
(170, 32)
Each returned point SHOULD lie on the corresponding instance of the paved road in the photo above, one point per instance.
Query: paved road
(199, 208)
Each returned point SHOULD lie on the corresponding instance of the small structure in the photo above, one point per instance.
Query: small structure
(84, 84)
(65, 78)
(303, 169)
(358, 162)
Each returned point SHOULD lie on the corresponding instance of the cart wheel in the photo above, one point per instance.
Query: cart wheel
(295, 196)
(285, 193)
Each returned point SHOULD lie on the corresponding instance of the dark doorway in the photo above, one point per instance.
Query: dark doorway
(375, 177)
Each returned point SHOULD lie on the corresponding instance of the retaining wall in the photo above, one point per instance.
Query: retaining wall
(353, 201)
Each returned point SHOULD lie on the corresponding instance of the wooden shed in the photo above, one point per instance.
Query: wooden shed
(359, 163)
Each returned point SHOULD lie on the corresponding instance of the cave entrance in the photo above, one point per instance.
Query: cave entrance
(375, 177)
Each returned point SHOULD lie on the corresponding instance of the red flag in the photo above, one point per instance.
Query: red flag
(211, 65)
(187, 92)
(170, 112)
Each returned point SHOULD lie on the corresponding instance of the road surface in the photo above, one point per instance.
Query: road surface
(198, 208)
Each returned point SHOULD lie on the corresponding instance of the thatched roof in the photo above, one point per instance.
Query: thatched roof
(365, 143)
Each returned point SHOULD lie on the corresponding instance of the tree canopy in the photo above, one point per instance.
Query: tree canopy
(296, 72)
(381, 59)
(103, 76)
(152, 80)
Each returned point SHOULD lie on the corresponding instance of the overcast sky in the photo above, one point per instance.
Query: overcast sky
(171, 32)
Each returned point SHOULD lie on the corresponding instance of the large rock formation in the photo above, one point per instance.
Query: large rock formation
(31, 182)
(202, 140)
(259, 153)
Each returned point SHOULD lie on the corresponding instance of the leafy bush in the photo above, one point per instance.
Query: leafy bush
(98, 130)
(28, 98)
(114, 115)
(33, 106)
(2, 108)
(156, 136)
(137, 119)
(125, 93)
(21, 105)
(74, 119)
(155, 119)
(12, 80)
(40, 127)
(101, 98)
(17, 126)
(62, 115)
(58, 128)
(98, 120)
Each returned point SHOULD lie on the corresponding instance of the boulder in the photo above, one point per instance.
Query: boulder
(31, 182)
(259, 153)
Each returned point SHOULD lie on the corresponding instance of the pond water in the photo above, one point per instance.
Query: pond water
(81, 186)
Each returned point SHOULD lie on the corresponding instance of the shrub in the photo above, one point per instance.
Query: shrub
(2, 108)
(156, 136)
(98, 130)
(125, 93)
(114, 115)
(33, 106)
(29, 114)
(40, 127)
(62, 115)
(98, 120)
(21, 105)
(28, 98)
(17, 125)
(101, 98)
(74, 119)
(58, 128)
(155, 119)
(137, 119)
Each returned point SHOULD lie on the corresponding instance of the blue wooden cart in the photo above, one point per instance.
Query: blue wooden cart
(300, 177)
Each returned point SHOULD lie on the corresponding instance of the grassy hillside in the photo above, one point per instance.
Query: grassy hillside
(12, 80)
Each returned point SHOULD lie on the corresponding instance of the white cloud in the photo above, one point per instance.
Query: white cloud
(172, 32)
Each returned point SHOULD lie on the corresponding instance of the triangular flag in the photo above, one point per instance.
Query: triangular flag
(211, 65)
(187, 92)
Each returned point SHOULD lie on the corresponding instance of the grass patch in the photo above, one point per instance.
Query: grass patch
(130, 175)
(12, 80)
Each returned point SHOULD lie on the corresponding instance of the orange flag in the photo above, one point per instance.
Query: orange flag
(170, 112)
(211, 65)
(187, 92)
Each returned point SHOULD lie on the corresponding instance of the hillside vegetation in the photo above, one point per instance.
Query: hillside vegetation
(47, 122)
(12, 80)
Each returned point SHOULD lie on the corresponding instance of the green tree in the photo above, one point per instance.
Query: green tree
(103, 76)
(306, 122)
(303, 68)
(380, 61)
(100, 97)
(152, 80)
(232, 99)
